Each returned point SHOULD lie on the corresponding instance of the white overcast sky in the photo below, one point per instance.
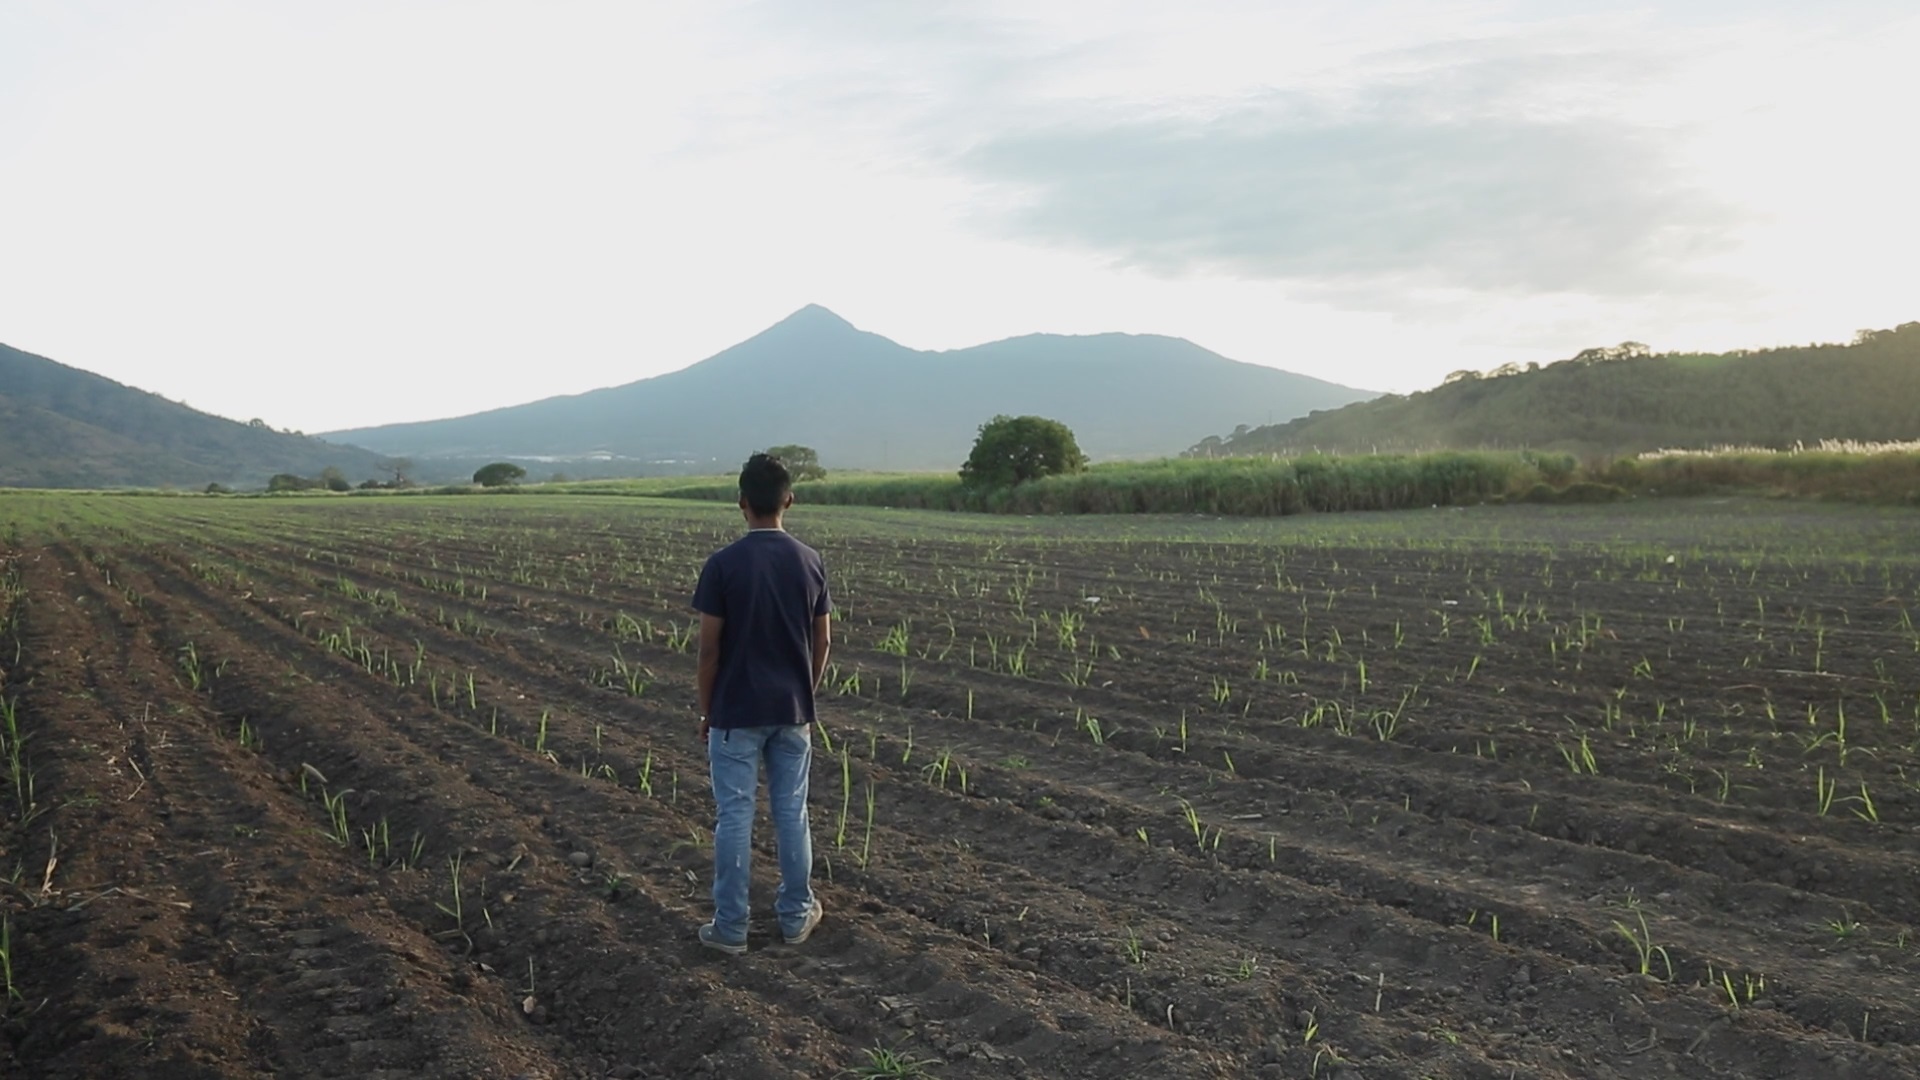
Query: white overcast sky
(347, 213)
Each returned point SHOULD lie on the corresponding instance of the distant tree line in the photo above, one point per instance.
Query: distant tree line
(331, 478)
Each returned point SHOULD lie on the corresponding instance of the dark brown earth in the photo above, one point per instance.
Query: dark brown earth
(1407, 796)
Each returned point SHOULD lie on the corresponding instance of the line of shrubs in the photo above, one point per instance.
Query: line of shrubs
(1267, 487)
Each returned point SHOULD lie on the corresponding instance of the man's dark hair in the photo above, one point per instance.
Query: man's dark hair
(764, 483)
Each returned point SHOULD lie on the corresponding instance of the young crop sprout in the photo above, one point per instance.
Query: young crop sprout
(866, 841)
(1865, 811)
(846, 798)
(884, 1062)
(1643, 947)
(6, 959)
(458, 908)
(337, 829)
(936, 771)
(411, 860)
(190, 666)
(1823, 790)
(1580, 760)
(1193, 822)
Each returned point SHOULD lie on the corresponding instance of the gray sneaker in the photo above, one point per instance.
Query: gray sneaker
(712, 940)
(795, 937)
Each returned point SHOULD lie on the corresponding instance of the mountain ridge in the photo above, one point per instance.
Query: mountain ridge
(865, 401)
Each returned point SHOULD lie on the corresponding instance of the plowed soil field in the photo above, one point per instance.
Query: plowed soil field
(385, 787)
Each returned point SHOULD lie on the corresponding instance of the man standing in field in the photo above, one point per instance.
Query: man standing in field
(764, 633)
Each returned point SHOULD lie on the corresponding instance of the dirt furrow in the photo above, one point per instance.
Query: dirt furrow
(551, 786)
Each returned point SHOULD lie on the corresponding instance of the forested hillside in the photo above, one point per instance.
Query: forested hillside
(63, 427)
(1625, 400)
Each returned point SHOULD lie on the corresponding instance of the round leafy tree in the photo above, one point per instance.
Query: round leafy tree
(1014, 449)
(802, 462)
(498, 474)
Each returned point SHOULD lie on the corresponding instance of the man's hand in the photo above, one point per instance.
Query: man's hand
(704, 727)
(708, 671)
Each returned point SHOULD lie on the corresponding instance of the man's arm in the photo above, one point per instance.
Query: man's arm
(822, 642)
(709, 671)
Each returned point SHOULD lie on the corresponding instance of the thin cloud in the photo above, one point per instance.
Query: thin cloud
(1452, 178)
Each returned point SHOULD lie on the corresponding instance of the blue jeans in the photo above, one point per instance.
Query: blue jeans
(735, 756)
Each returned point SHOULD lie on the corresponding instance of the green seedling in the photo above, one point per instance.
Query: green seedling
(866, 841)
(1581, 759)
(1843, 928)
(12, 749)
(936, 771)
(1865, 811)
(190, 666)
(6, 959)
(846, 799)
(378, 843)
(1725, 984)
(1643, 947)
(1193, 822)
(337, 828)
(458, 910)
(411, 860)
(884, 1062)
(681, 638)
(634, 680)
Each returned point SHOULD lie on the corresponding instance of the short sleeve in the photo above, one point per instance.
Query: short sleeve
(823, 605)
(708, 597)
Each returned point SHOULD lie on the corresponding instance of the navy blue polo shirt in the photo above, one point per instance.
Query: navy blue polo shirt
(769, 588)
